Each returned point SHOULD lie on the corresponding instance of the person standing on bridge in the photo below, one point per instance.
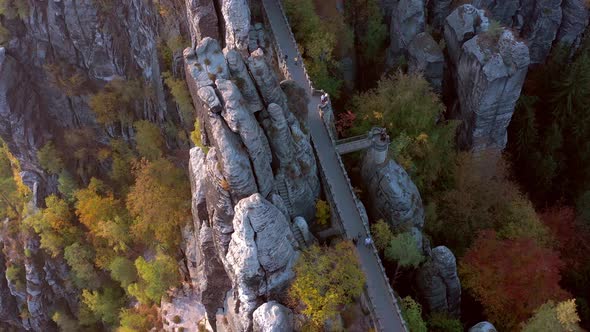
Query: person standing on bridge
(368, 241)
(295, 61)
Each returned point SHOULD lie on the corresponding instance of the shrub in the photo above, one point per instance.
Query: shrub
(412, 312)
(150, 142)
(50, 158)
(181, 95)
(322, 212)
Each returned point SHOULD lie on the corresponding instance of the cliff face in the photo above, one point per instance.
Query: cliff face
(253, 185)
(61, 52)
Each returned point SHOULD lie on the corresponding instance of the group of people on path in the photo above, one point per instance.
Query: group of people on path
(295, 60)
(367, 241)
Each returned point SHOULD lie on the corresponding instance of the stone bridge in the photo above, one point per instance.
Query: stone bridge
(376, 138)
(385, 311)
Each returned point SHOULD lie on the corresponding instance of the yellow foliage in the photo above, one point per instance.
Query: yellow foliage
(326, 278)
(322, 212)
(567, 314)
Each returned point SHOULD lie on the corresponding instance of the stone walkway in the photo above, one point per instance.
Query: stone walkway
(384, 305)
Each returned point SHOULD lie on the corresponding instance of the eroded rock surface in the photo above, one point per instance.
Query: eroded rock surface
(489, 71)
(438, 285)
(236, 14)
(202, 20)
(273, 317)
(407, 21)
(260, 256)
(392, 195)
(483, 327)
(426, 57)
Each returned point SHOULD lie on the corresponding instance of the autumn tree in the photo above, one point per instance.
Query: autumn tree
(141, 318)
(552, 317)
(155, 278)
(50, 158)
(403, 250)
(422, 141)
(80, 258)
(322, 212)
(326, 278)
(382, 234)
(482, 197)
(160, 202)
(106, 218)
(55, 226)
(440, 322)
(511, 278)
(13, 192)
(123, 270)
(116, 102)
(412, 313)
(104, 304)
(181, 95)
(150, 143)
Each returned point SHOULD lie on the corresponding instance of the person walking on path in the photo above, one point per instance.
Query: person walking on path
(368, 241)
(295, 61)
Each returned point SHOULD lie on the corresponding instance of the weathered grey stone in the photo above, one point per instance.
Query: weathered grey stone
(198, 180)
(392, 195)
(236, 14)
(8, 309)
(273, 317)
(426, 57)
(541, 27)
(240, 74)
(233, 159)
(220, 206)
(501, 11)
(267, 81)
(483, 327)
(297, 101)
(202, 20)
(260, 256)
(407, 21)
(575, 20)
(460, 26)
(489, 77)
(240, 120)
(438, 10)
(303, 228)
(186, 304)
(438, 285)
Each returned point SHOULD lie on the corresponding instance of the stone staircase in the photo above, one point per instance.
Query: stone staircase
(281, 187)
(299, 236)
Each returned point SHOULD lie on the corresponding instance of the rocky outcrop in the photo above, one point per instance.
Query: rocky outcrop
(243, 80)
(438, 10)
(202, 20)
(236, 14)
(502, 11)
(426, 57)
(540, 28)
(267, 81)
(260, 256)
(273, 317)
(489, 69)
(460, 26)
(240, 120)
(393, 196)
(407, 21)
(483, 327)
(438, 285)
(576, 14)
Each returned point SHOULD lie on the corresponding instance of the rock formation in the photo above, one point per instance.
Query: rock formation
(273, 317)
(406, 22)
(202, 20)
(259, 173)
(239, 72)
(438, 11)
(489, 69)
(236, 14)
(393, 196)
(260, 256)
(438, 285)
(483, 327)
(575, 20)
(426, 57)
(540, 28)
